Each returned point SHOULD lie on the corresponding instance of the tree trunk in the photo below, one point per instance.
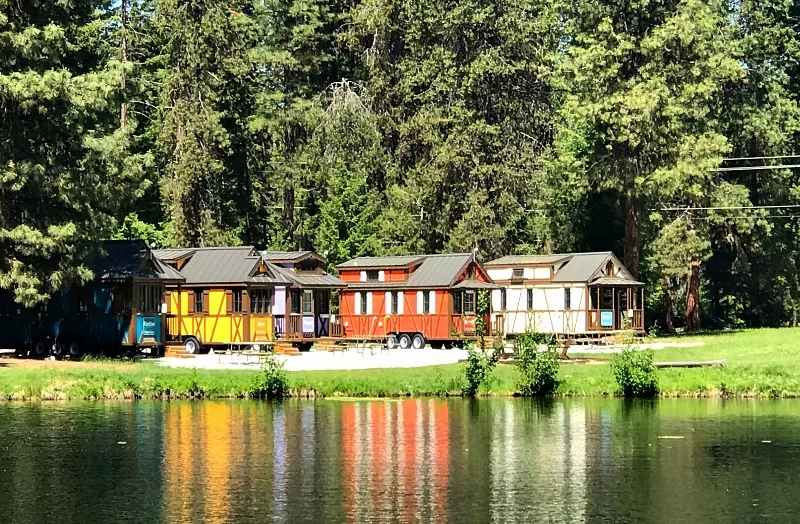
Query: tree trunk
(693, 296)
(123, 115)
(632, 241)
(669, 322)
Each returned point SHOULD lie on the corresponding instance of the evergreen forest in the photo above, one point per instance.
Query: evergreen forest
(651, 128)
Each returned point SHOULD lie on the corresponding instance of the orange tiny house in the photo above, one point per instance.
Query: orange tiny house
(411, 300)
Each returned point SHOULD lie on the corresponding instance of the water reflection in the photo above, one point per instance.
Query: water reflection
(429, 460)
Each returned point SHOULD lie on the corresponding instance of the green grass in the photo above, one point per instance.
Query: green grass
(760, 363)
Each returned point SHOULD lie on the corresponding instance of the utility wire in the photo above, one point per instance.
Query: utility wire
(755, 168)
(721, 208)
(738, 159)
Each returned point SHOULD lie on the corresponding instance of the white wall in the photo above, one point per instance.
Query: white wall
(547, 314)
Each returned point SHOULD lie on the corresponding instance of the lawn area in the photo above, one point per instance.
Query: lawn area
(760, 363)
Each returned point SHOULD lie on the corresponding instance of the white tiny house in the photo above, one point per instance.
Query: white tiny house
(571, 294)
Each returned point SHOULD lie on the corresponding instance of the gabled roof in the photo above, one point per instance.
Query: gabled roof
(434, 271)
(226, 265)
(115, 260)
(289, 256)
(302, 279)
(394, 262)
(581, 267)
(524, 260)
(173, 254)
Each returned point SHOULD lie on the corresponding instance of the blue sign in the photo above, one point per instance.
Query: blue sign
(606, 319)
(148, 328)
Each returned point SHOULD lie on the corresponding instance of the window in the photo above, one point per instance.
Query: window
(373, 276)
(261, 301)
(121, 300)
(198, 302)
(395, 302)
(567, 298)
(458, 306)
(517, 274)
(469, 303)
(84, 300)
(426, 303)
(149, 299)
(503, 300)
(308, 303)
(324, 302)
(530, 300)
(237, 300)
(363, 302)
(296, 302)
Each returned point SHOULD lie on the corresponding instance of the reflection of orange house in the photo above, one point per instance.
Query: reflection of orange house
(391, 452)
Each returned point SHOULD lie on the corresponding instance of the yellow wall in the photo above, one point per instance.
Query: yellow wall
(216, 327)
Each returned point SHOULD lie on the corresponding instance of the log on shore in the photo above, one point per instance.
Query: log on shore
(706, 364)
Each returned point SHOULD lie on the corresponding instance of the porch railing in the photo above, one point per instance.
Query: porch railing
(610, 320)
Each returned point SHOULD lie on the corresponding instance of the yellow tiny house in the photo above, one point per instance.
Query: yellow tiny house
(227, 298)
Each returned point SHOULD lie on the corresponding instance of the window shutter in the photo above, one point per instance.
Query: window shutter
(245, 302)
(168, 301)
(228, 301)
(190, 294)
(388, 303)
(363, 276)
(419, 302)
(205, 301)
(381, 276)
(369, 303)
(358, 303)
(400, 303)
(433, 301)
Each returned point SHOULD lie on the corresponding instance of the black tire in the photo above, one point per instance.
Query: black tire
(437, 344)
(305, 346)
(74, 350)
(391, 342)
(418, 341)
(405, 341)
(192, 346)
(39, 349)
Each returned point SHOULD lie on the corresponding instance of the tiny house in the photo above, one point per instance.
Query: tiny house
(412, 300)
(572, 294)
(303, 305)
(227, 298)
(121, 308)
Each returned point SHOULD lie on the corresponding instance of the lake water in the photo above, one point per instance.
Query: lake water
(493, 460)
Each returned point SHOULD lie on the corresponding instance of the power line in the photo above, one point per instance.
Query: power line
(722, 208)
(738, 159)
(744, 216)
(754, 168)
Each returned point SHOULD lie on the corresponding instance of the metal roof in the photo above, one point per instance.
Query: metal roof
(615, 281)
(471, 283)
(173, 253)
(224, 265)
(581, 267)
(129, 260)
(289, 256)
(438, 270)
(382, 262)
(511, 260)
(304, 279)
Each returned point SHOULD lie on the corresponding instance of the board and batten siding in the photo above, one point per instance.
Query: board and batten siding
(547, 314)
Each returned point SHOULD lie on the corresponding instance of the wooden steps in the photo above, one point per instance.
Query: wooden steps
(285, 347)
(176, 351)
(329, 344)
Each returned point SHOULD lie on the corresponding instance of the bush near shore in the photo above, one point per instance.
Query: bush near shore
(761, 363)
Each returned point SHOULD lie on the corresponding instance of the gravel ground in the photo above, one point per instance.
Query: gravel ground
(323, 360)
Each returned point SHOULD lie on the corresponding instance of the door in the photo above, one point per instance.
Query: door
(322, 302)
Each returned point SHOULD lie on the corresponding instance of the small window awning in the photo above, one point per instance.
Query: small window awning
(615, 281)
(471, 283)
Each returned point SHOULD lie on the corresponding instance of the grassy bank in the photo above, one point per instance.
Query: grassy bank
(761, 363)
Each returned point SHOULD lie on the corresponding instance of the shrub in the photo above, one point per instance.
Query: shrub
(635, 372)
(480, 363)
(538, 370)
(273, 382)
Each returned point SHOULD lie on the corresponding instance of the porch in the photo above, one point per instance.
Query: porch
(615, 308)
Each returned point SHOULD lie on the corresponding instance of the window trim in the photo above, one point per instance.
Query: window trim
(307, 293)
(237, 302)
(567, 299)
(530, 299)
(517, 273)
(426, 303)
(503, 300)
(373, 273)
(261, 301)
(458, 303)
(364, 303)
(473, 309)
(199, 301)
(395, 304)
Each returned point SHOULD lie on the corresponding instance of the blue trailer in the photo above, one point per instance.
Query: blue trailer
(120, 310)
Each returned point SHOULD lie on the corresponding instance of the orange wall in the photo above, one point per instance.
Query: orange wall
(435, 327)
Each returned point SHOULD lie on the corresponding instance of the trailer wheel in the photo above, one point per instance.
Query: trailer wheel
(39, 349)
(418, 341)
(192, 346)
(391, 342)
(58, 349)
(74, 350)
(437, 344)
(405, 341)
